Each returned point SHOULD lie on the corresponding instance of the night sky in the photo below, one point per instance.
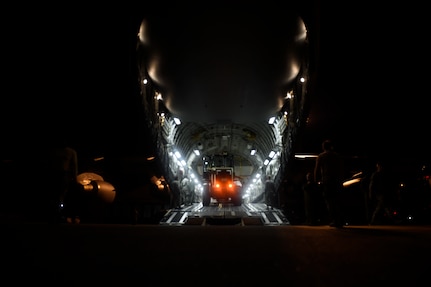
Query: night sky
(76, 69)
(373, 89)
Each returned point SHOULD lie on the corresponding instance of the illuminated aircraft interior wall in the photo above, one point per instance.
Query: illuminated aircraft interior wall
(262, 143)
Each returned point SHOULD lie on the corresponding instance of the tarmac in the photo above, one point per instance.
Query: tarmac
(52, 254)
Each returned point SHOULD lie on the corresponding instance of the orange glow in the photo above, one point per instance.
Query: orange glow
(350, 182)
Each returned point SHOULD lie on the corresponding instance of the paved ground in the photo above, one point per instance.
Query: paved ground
(221, 255)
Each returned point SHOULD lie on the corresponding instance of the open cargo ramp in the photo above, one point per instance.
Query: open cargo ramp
(225, 214)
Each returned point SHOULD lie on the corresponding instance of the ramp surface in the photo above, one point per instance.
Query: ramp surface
(246, 214)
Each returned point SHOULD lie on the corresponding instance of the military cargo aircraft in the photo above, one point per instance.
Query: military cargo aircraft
(227, 80)
(222, 79)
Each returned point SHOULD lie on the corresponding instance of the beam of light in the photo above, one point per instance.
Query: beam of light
(302, 156)
(351, 181)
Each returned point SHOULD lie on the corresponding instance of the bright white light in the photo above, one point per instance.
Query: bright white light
(183, 163)
(271, 120)
(197, 152)
(253, 152)
(177, 154)
(305, 155)
(177, 121)
(266, 162)
(271, 154)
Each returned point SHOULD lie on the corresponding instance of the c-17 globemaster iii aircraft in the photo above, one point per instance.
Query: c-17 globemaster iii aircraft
(226, 82)
(224, 89)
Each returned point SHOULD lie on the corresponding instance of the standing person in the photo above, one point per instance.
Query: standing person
(184, 187)
(329, 173)
(65, 188)
(192, 191)
(310, 199)
(382, 192)
(176, 193)
(269, 192)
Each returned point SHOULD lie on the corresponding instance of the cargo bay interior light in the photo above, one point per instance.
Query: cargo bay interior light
(177, 121)
(271, 120)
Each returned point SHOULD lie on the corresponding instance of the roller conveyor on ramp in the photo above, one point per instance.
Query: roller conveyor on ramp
(224, 214)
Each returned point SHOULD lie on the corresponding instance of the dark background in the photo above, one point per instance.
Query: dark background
(72, 69)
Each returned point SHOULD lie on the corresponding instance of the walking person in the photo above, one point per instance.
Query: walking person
(329, 174)
(382, 192)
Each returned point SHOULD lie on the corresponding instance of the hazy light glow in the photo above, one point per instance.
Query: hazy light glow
(142, 34)
(152, 71)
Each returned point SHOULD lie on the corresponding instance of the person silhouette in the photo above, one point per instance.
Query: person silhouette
(64, 189)
(269, 192)
(382, 190)
(329, 173)
(176, 193)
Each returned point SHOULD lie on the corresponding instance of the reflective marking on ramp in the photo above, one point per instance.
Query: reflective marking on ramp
(228, 214)
(271, 217)
(178, 217)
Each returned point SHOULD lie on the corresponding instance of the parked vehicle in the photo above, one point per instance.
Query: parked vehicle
(220, 184)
